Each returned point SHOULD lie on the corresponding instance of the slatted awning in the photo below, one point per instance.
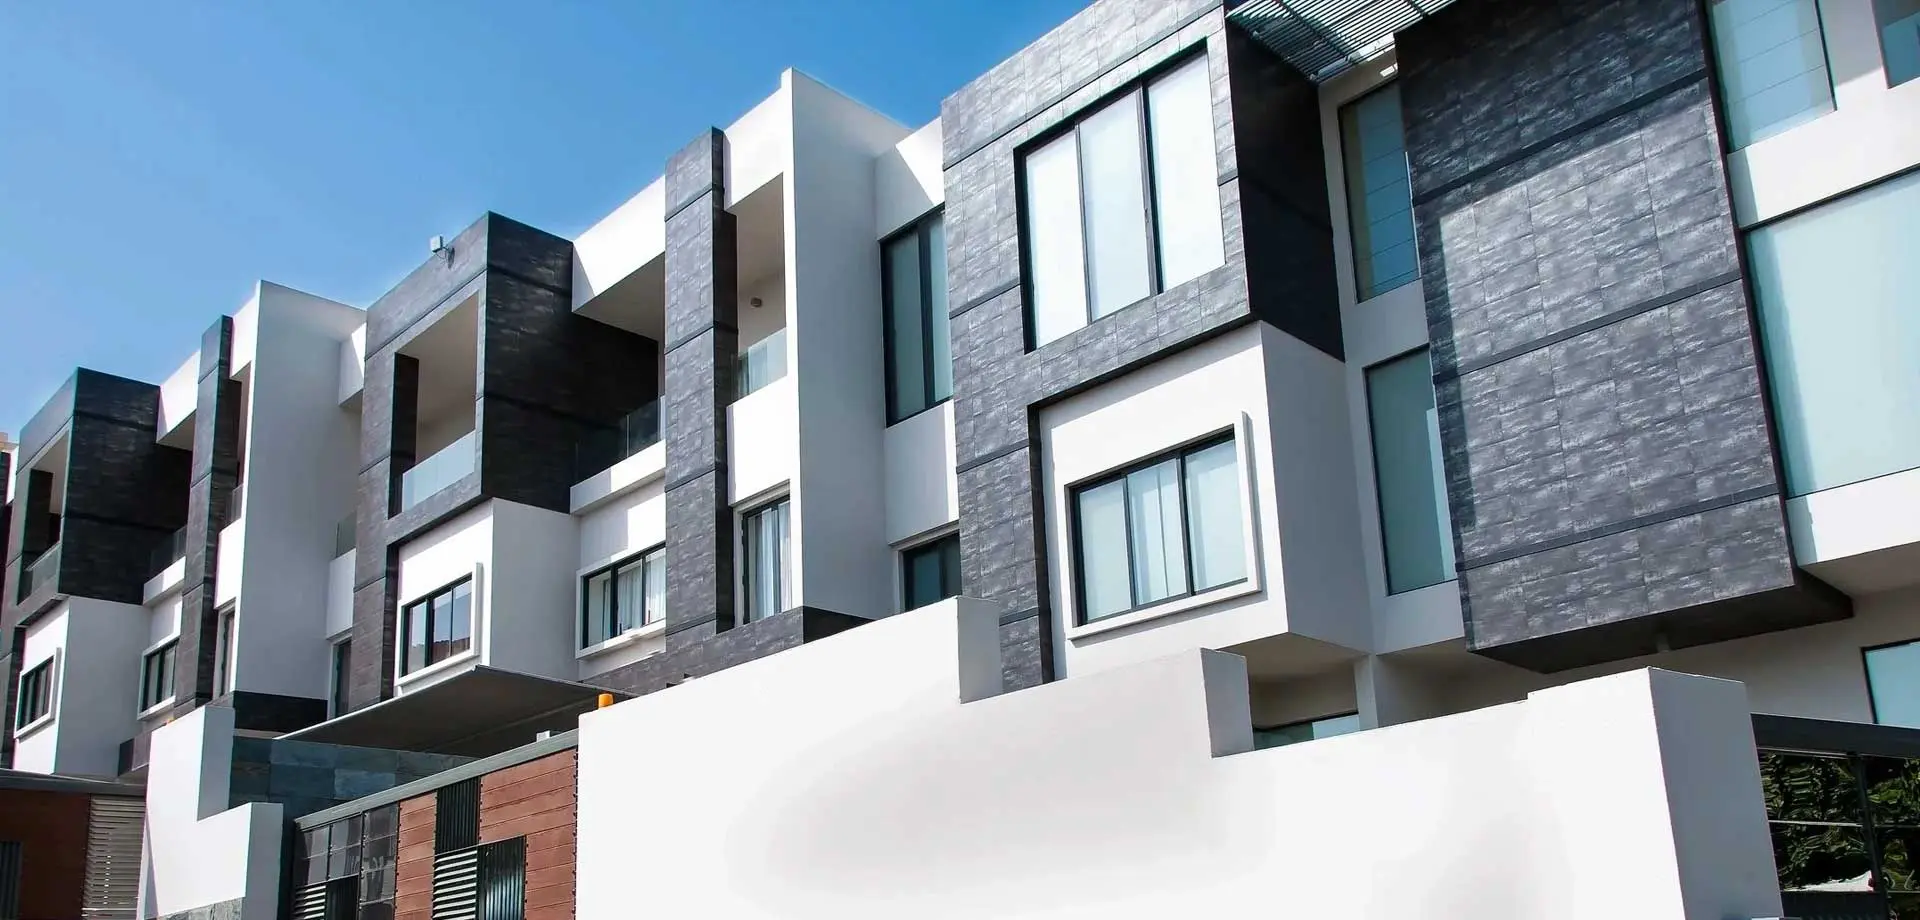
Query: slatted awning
(1322, 38)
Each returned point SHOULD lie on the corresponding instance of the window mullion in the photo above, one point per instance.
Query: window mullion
(1154, 274)
(889, 335)
(1126, 519)
(1186, 537)
(1086, 252)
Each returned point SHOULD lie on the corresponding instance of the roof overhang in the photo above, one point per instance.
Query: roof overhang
(476, 713)
(24, 781)
(1322, 38)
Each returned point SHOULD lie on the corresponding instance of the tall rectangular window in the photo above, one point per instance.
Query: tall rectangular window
(767, 573)
(1899, 22)
(919, 354)
(156, 676)
(1123, 205)
(1837, 289)
(1772, 62)
(1379, 194)
(623, 597)
(1893, 684)
(930, 572)
(438, 626)
(1167, 527)
(223, 653)
(1416, 531)
(342, 671)
(36, 694)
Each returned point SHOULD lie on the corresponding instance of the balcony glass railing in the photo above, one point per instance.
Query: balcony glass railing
(172, 548)
(41, 572)
(635, 432)
(762, 363)
(437, 472)
(345, 535)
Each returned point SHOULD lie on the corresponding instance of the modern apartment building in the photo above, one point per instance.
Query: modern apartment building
(1208, 378)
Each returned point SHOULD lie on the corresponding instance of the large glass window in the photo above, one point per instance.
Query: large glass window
(1773, 66)
(1415, 527)
(1168, 527)
(36, 694)
(1123, 205)
(1311, 730)
(156, 676)
(919, 355)
(1379, 194)
(1899, 22)
(1837, 289)
(1893, 684)
(767, 576)
(930, 572)
(624, 596)
(762, 363)
(438, 626)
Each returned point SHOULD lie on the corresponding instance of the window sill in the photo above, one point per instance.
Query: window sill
(648, 630)
(1165, 608)
(156, 708)
(33, 726)
(438, 667)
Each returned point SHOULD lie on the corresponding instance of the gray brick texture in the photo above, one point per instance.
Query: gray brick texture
(1610, 464)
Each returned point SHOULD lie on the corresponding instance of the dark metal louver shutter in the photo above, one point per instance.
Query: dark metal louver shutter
(335, 899)
(456, 885)
(114, 829)
(9, 880)
(503, 880)
(456, 822)
(310, 903)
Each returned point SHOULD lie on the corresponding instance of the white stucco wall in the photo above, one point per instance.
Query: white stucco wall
(908, 180)
(528, 617)
(615, 247)
(179, 396)
(923, 492)
(757, 323)
(763, 440)
(197, 852)
(628, 524)
(303, 451)
(460, 548)
(96, 649)
(1133, 793)
(339, 595)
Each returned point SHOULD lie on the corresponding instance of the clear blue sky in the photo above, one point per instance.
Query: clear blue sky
(156, 158)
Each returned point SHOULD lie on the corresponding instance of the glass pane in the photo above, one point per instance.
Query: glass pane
(656, 573)
(1809, 787)
(1214, 520)
(950, 566)
(1836, 289)
(1186, 179)
(1415, 528)
(1773, 66)
(1305, 731)
(416, 638)
(381, 822)
(938, 333)
(1379, 197)
(1899, 38)
(1101, 530)
(1831, 857)
(931, 572)
(766, 569)
(1055, 273)
(460, 619)
(763, 362)
(599, 609)
(632, 591)
(1893, 790)
(1113, 183)
(442, 645)
(1893, 681)
(906, 346)
(1154, 531)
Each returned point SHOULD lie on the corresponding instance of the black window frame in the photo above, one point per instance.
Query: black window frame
(1070, 124)
(406, 620)
(1120, 474)
(917, 228)
(34, 698)
(745, 566)
(154, 691)
(940, 545)
(612, 570)
(339, 666)
(223, 649)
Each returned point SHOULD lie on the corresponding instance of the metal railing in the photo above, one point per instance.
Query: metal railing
(41, 572)
(636, 431)
(446, 467)
(762, 363)
(174, 547)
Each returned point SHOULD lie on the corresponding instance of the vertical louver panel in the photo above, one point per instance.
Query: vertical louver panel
(457, 817)
(456, 885)
(503, 880)
(114, 827)
(9, 880)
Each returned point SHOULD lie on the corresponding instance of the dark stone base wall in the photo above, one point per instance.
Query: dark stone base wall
(689, 658)
(1610, 462)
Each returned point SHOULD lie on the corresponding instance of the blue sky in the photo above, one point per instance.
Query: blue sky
(156, 158)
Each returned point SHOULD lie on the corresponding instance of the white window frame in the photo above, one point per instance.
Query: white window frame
(652, 627)
(475, 619)
(52, 664)
(142, 708)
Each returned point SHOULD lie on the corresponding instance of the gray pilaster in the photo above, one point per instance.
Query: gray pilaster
(215, 474)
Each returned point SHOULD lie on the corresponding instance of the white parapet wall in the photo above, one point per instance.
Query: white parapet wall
(848, 779)
(199, 853)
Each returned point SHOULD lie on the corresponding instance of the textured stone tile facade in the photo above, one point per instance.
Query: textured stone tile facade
(1610, 464)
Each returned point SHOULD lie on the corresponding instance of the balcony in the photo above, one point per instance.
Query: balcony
(636, 431)
(444, 468)
(41, 572)
(170, 550)
(762, 363)
(345, 535)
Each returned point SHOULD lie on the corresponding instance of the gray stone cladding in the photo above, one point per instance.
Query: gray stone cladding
(1609, 458)
(999, 383)
(215, 474)
(224, 910)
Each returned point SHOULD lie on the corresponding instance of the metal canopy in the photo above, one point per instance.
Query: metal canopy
(1322, 38)
(474, 714)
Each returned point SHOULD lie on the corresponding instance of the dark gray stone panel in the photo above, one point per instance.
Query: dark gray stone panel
(428, 286)
(370, 678)
(718, 651)
(700, 558)
(1609, 458)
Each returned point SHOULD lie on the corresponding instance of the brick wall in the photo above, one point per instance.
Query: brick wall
(535, 800)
